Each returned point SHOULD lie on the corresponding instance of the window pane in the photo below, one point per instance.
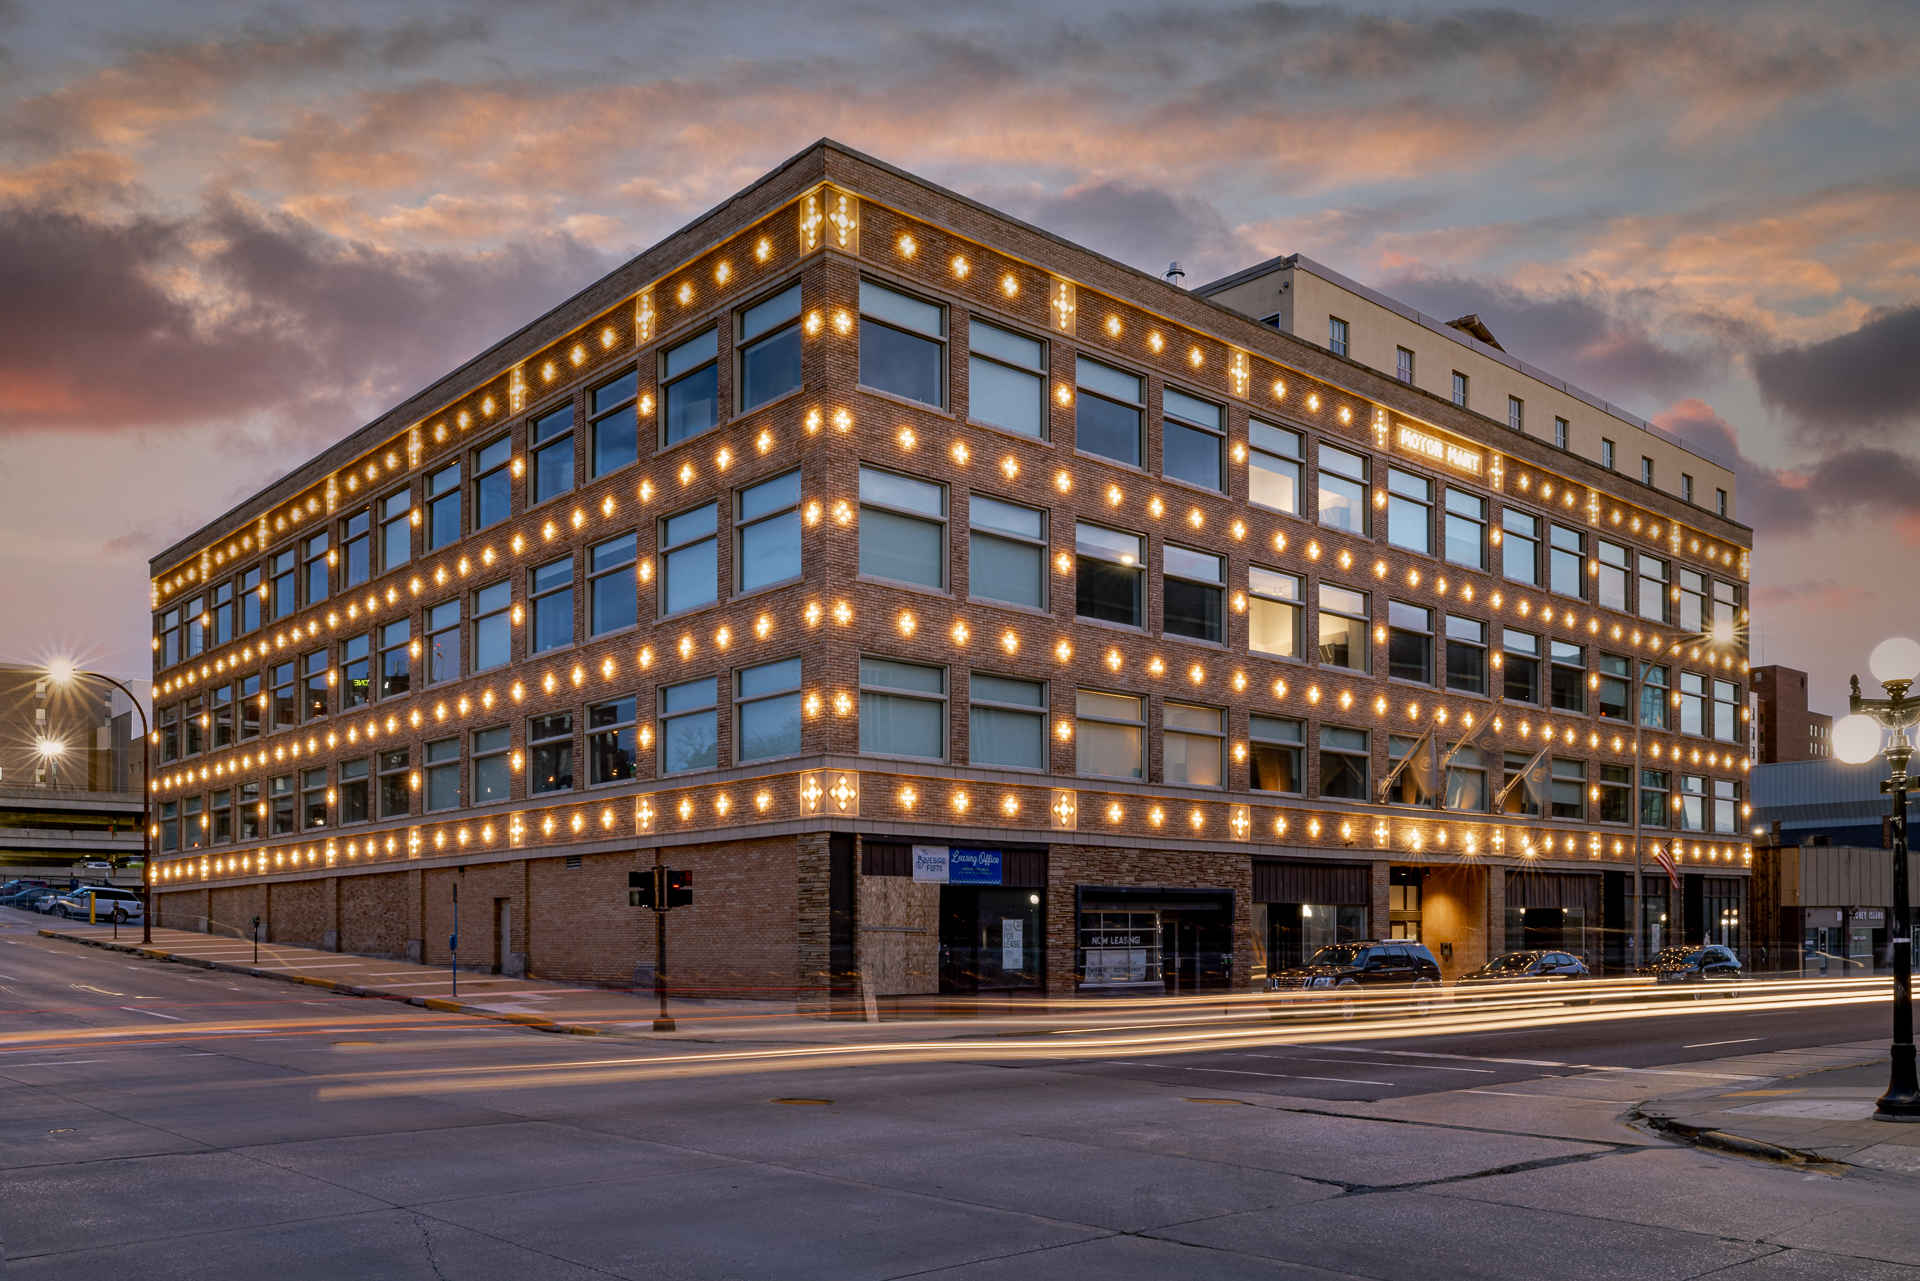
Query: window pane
(1190, 455)
(692, 404)
(900, 310)
(902, 548)
(1015, 349)
(904, 364)
(998, 569)
(771, 313)
(770, 551)
(896, 726)
(770, 727)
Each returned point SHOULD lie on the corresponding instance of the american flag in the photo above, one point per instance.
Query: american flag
(1664, 859)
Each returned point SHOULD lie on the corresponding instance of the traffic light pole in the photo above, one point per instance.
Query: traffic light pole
(662, 1022)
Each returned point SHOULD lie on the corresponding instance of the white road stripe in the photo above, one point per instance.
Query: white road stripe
(1701, 1045)
(135, 1009)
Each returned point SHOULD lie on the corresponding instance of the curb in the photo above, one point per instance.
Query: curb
(1737, 1144)
(437, 1004)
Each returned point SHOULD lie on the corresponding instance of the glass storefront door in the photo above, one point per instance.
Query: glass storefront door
(990, 938)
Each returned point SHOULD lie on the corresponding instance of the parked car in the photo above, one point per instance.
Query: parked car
(1709, 963)
(1527, 966)
(41, 900)
(1339, 971)
(14, 893)
(97, 865)
(100, 902)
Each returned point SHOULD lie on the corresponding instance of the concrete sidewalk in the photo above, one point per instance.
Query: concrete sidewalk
(1820, 1109)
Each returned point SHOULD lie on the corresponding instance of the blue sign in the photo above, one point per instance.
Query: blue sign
(972, 866)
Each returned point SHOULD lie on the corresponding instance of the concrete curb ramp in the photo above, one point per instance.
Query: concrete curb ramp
(435, 1003)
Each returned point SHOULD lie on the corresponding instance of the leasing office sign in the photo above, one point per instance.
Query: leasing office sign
(956, 865)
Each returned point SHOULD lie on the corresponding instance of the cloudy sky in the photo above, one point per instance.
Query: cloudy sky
(230, 234)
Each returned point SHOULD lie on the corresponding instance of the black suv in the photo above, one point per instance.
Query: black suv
(1345, 967)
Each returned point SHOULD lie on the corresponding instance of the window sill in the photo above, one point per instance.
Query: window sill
(1010, 433)
(898, 584)
(1110, 461)
(989, 602)
(908, 401)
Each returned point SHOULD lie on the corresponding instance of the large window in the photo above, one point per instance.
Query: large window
(1466, 780)
(1466, 655)
(167, 722)
(614, 428)
(766, 532)
(193, 720)
(1693, 703)
(396, 658)
(1691, 601)
(551, 593)
(1344, 624)
(1006, 722)
(766, 711)
(1516, 413)
(1653, 589)
(492, 775)
(247, 812)
(354, 788)
(1691, 803)
(1191, 436)
(689, 560)
(1566, 562)
(1567, 691)
(1337, 335)
(1520, 546)
(1726, 703)
(1466, 529)
(1409, 511)
(1610, 575)
(1343, 762)
(220, 699)
(283, 595)
(1192, 745)
(1726, 806)
(356, 548)
(396, 794)
(550, 752)
(690, 387)
(1277, 746)
(1523, 795)
(443, 642)
(1108, 412)
(1654, 696)
(1275, 613)
(1409, 642)
(1655, 807)
(396, 530)
(1520, 665)
(1725, 607)
(442, 774)
(1460, 387)
(1109, 568)
(252, 706)
(1110, 731)
(1569, 789)
(1616, 794)
(356, 671)
(1192, 586)
(903, 709)
(1403, 364)
(222, 611)
(1614, 690)
(284, 700)
(903, 528)
(170, 637)
(492, 483)
(314, 680)
(612, 602)
(316, 568)
(550, 441)
(313, 799)
(903, 344)
(610, 741)
(196, 625)
(1273, 467)
(492, 632)
(1007, 552)
(281, 811)
(1343, 490)
(443, 507)
(770, 348)
(1006, 380)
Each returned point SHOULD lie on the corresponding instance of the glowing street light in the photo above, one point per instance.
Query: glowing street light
(65, 672)
(1879, 727)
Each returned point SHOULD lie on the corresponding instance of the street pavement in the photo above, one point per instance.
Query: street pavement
(162, 1121)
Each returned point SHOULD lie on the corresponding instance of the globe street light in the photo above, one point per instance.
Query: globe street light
(1879, 727)
(63, 672)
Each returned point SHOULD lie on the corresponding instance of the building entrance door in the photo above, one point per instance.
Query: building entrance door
(1180, 951)
(502, 933)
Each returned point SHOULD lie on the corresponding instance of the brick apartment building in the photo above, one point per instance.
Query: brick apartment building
(966, 611)
(1784, 729)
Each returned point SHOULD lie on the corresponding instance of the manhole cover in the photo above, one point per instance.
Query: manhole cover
(805, 1103)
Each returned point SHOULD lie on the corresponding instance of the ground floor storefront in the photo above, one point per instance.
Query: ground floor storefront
(852, 916)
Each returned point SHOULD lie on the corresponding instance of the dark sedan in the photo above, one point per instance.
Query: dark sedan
(1527, 966)
(1709, 963)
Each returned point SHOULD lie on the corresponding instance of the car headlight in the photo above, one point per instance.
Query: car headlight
(1323, 981)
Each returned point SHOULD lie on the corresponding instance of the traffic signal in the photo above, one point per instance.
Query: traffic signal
(640, 888)
(679, 887)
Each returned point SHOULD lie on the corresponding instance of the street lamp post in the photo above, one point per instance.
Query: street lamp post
(1879, 727)
(63, 672)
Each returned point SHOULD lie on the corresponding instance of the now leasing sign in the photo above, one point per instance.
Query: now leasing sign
(956, 865)
(1438, 449)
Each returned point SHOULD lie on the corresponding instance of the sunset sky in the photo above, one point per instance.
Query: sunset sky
(230, 235)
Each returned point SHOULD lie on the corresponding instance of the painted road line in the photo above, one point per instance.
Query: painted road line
(135, 1009)
(1702, 1045)
(1289, 1076)
(1566, 1098)
(54, 1063)
(1428, 1054)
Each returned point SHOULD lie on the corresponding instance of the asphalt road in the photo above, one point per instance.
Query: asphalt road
(165, 1122)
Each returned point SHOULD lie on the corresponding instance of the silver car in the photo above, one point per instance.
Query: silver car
(100, 903)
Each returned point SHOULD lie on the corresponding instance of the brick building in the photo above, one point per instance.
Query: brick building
(1784, 729)
(966, 611)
